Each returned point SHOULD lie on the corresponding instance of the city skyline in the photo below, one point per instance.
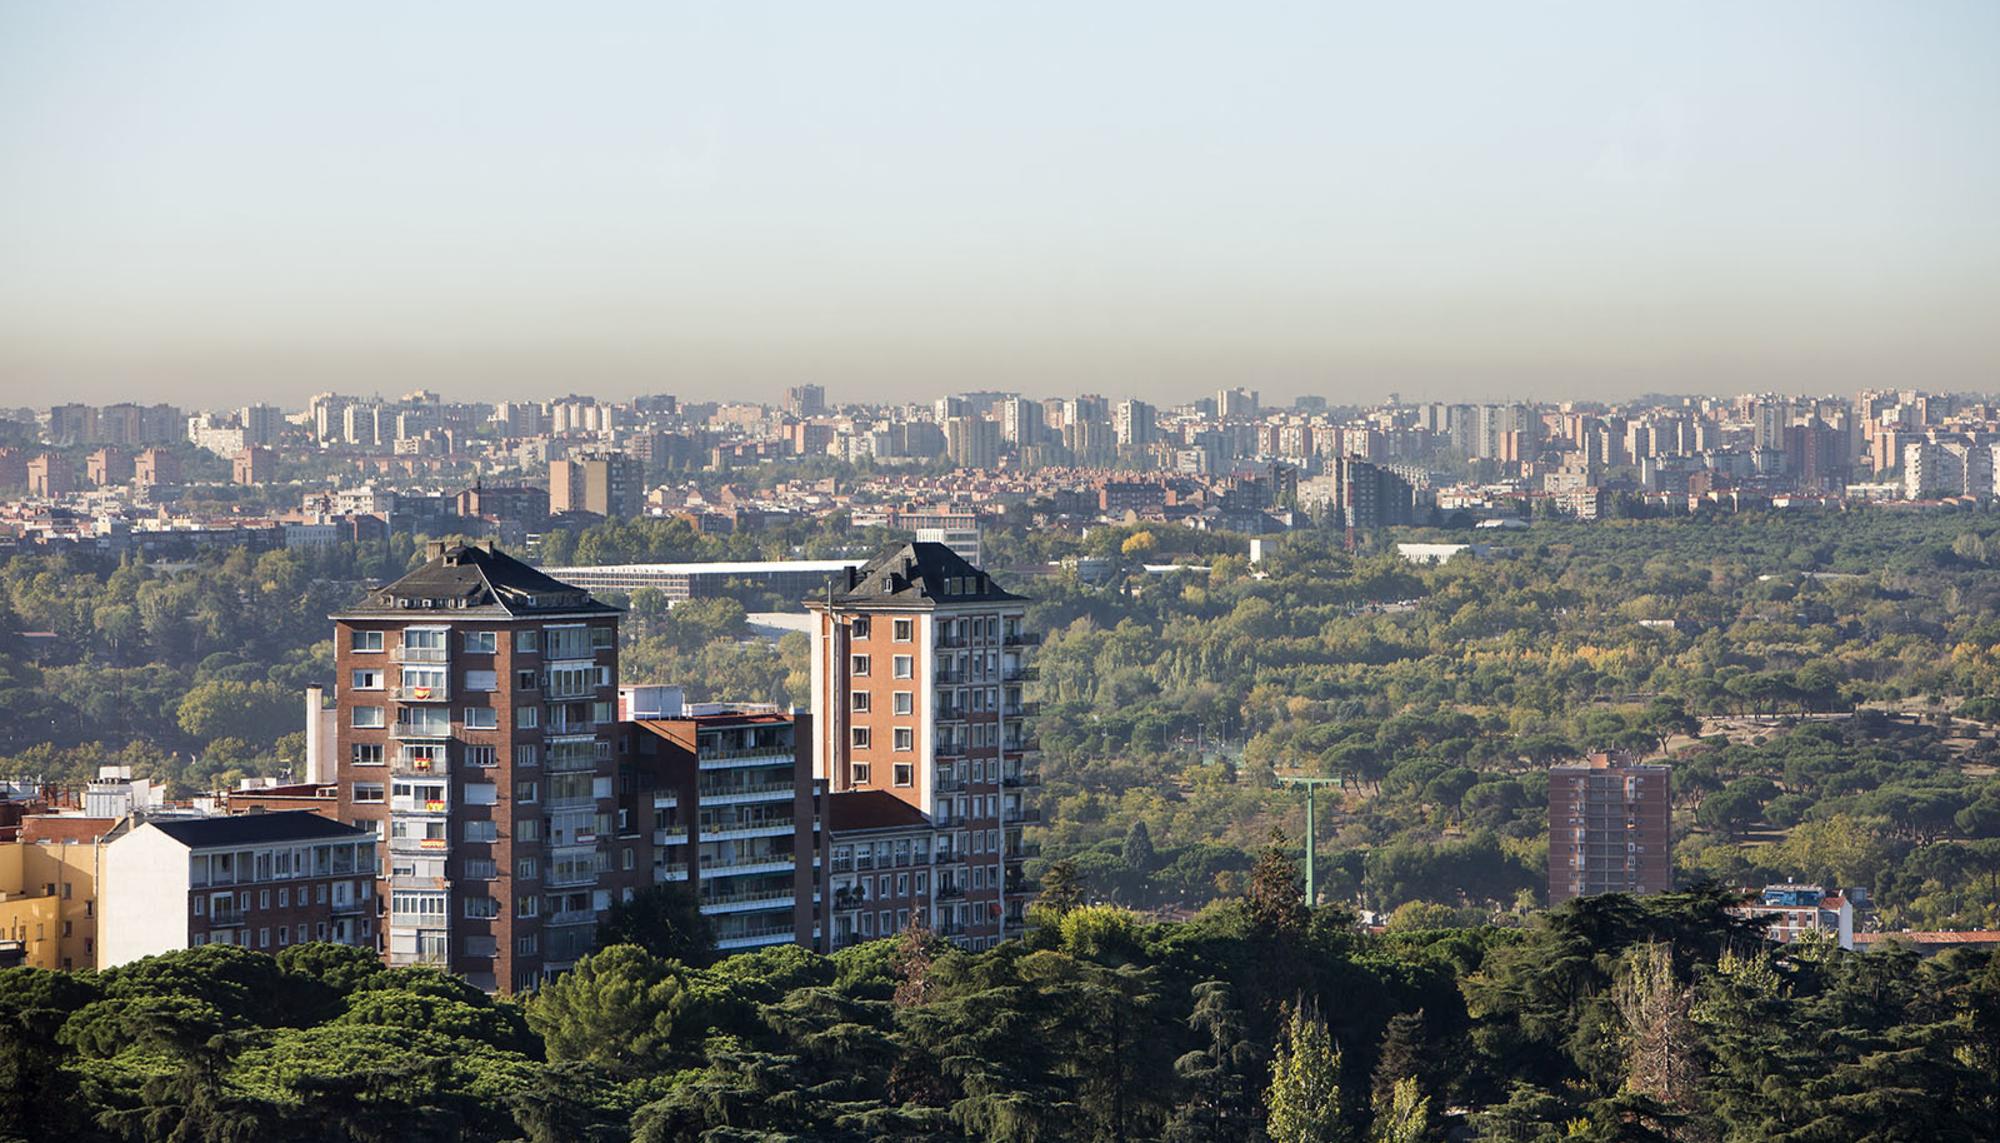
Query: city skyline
(230, 203)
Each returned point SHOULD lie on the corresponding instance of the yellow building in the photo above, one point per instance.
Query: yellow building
(48, 901)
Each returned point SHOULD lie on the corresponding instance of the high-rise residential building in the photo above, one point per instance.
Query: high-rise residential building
(156, 466)
(260, 881)
(254, 465)
(477, 702)
(262, 424)
(972, 442)
(806, 401)
(49, 475)
(1023, 422)
(107, 466)
(919, 661)
(1608, 829)
(612, 485)
(1236, 403)
(1133, 423)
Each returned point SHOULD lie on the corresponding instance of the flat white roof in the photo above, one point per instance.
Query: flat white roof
(748, 567)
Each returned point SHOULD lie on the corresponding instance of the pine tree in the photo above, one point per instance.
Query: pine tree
(1303, 1102)
(1219, 1106)
(1401, 1056)
(1138, 851)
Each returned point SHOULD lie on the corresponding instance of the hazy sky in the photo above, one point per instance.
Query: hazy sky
(211, 203)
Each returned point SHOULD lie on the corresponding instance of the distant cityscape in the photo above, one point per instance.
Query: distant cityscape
(146, 477)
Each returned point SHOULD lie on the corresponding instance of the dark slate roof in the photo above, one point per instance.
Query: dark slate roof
(856, 810)
(918, 575)
(256, 829)
(474, 581)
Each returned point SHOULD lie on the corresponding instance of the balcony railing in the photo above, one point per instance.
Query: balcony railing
(1023, 639)
(757, 790)
(419, 844)
(949, 785)
(571, 917)
(950, 892)
(439, 693)
(423, 655)
(1020, 674)
(349, 907)
(1024, 710)
(746, 898)
(408, 763)
(419, 806)
(1021, 779)
(224, 918)
(437, 731)
(671, 871)
(1027, 814)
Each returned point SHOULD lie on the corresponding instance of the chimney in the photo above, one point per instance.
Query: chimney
(435, 549)
(315, 763)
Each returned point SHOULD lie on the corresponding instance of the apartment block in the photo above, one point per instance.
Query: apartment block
(1608, 829)
(48, 901)
(612, 485)
(735, 814)
(476, 713)
(260, 881)
(919, 663)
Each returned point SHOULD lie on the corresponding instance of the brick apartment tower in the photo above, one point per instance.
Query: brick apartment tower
(918, 662)
(477, 701)
(1609, 829)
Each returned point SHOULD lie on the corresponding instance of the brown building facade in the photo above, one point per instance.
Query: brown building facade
(919, 665)
(476, 711)
(1609, 829)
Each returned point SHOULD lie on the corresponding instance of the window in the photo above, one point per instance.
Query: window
(365, 753)
(528, 945)
(370, 680)
(905, 773)
(526, 755)
(482, 756)
(482, 681)
(859, 702)
(906, 738)
(524, 680)
(481, 908)
(368, 718)
(859, 627)
(906, 702)
(529, 830)
(480, 642)
(527, 869)
(481, 718)
(527, 906)
(366, 641)
(904, 628)
(527, 641)
(368, 792)
(527, 717)
(524, 791)
(858, 737)
(284, 898)
(481, 831)
(857, 665)
(424, 722)
(906, 666)
(568, 643)
(425, 645)
(860, 772)
(603, 638)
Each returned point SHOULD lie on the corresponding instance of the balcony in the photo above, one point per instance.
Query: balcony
(746, 756)
(950, 892)
(760, 791)
(1031, 815)
(1024, 778)
(1023, 639)
(349, 907)
(952, 641)
(1023, 710)
(1024, 851)
(671, 871)
(421, 731)
(430, 766)
(571, 917)
(435, 806)
(225, 918)
(1020, 674)
(751, 938)
(423, 655)
(745, 868)
(440, 693)
(566, 725)
(672, 835)
(746, 902)
(847, 899)
(949, 785)
(419, 845)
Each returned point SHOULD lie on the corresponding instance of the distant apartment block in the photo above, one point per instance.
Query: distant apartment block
(260, 881)
(612, 485)
(1608, 829)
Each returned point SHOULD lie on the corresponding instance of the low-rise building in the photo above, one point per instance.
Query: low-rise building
(1791, 910)
(260, 881)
